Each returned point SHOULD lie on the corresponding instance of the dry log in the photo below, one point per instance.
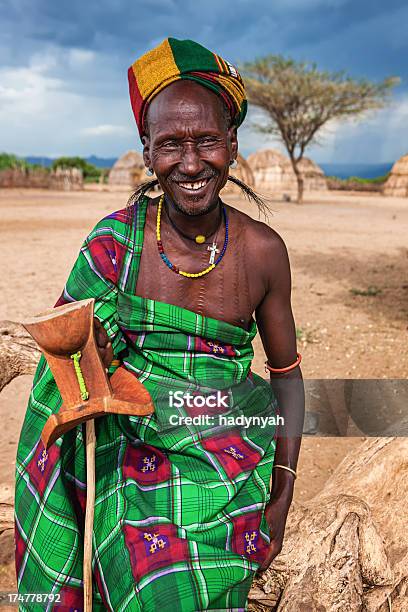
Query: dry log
(346, 549)
(6, 509)
(6, 517)
(7, 563)
(19, 353)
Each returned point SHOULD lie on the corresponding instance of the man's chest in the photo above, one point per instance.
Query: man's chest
(230, 292)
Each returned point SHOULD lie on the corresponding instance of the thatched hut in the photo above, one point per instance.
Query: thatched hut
(273, 172)
(269, 168)
(397, 182)
(128, 170)
(242, 172)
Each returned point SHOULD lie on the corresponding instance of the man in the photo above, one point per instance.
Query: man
(184, 514)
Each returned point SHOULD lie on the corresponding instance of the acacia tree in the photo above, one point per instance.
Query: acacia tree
(299, 100)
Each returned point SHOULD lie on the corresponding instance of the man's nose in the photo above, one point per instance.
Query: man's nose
(190, 163)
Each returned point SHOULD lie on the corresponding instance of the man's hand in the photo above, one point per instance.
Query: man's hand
(276, 513)
(104, 345)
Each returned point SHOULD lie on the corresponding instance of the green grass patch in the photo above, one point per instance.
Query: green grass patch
(372, 290)
(306, 336)
(9, 161)
(363, 181)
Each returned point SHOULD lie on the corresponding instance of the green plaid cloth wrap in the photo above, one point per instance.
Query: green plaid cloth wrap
(179, 519)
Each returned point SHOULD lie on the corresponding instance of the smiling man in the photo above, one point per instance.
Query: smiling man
(185, 514)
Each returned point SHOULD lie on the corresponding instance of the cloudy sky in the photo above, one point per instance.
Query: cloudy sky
(63, 65)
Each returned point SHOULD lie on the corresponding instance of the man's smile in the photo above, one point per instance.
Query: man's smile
(196, 186)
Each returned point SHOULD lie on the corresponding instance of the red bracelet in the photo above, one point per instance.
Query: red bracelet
(294, 365)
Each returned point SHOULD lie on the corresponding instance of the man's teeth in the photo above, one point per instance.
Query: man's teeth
(194, 186)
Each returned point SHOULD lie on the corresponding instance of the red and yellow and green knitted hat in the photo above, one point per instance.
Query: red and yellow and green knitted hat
(184, 59)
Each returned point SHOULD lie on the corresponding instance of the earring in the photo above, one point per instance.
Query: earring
(233, 163)
(149, 172)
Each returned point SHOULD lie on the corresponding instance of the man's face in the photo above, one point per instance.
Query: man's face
(189, 145)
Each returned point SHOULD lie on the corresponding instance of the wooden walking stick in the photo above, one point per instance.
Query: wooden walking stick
(66, 337)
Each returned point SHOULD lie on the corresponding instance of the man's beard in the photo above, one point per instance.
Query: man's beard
(194, 213)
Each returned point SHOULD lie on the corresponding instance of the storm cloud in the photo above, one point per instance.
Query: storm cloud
(63, 82)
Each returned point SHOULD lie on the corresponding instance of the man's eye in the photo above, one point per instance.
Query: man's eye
(208, 140)
(171, 144)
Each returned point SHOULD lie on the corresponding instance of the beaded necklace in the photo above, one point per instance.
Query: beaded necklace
(166, 259)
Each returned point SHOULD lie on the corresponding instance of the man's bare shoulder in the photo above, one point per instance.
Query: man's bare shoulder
(266, 254)
(259, 236)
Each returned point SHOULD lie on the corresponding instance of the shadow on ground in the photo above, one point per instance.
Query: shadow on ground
(376, 284)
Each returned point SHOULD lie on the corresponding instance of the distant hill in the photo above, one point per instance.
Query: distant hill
(367, 171)
(43, 161)
(99, 162)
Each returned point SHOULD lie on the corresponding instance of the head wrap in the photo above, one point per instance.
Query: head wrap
(184, 59)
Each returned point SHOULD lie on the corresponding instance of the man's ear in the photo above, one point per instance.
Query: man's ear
(233, 136)
(146, 151)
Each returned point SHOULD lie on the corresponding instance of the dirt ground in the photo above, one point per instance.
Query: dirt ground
(349, 262)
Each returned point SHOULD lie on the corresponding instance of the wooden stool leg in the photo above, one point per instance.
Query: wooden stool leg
(89, 513)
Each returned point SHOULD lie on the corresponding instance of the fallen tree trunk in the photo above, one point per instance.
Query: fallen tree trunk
(346, 549)
(19, 353)
(7, 563)
(6, 517)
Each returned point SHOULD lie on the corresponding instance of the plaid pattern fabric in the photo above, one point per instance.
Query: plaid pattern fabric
(179, 519)
(184, 59)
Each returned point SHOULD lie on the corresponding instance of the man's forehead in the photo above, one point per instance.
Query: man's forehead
(186, 101)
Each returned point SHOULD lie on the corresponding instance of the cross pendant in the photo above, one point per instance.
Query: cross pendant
(214, 250)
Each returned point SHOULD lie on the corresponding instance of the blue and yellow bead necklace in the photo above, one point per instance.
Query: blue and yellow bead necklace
(212, 248)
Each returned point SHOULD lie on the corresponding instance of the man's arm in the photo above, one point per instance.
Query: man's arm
(278, 333)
